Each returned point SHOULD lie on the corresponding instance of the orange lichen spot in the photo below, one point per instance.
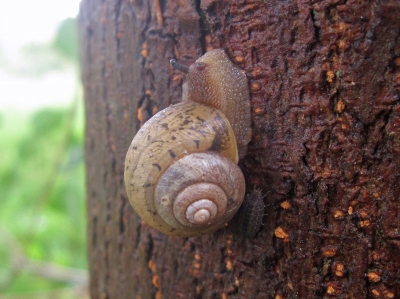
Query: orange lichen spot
(229, 265)
(158, 294)
(223, 296)
(156, 281)
(237, 282)
(277, 296)
(350, 210)
(389, 295)
(148, 92)
(363, 223)
(229, 251)
(145, 52)
(257, 71)
(258, 110)
(158, 10)
(197, 257)
(290, 285)
(397, 61)
(198, 290)
(375, 293)
(341, 44)
(280, 233)
(397, 79)
(152, 266)
(338, 214)
(197, 265)
(239, 59)
(285, 205)
(340, 106)
(376, 195)
(229, 242)
(326, 173)
(363, 214)
(255, 86)
(154, 110)
(329, 251)
(375, 256)
(177, 78)
(330, 75)
(344, 127)
(330, 290)
(339, 270)
(140, 114)
(373, 276)
(342, 26)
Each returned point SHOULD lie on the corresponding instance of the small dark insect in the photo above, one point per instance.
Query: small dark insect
(249, 218)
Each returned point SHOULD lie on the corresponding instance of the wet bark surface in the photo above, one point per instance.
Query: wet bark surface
(324, 78)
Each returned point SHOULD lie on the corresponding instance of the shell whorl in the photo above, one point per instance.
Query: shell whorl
(177, 167)
(199, 193)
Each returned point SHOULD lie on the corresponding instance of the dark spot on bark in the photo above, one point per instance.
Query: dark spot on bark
(134, 147)
(164, 125)
(172, 154)
(158, 166)
(197, 143)
(127, 167)
(148, 137)
(173, 138)
(154, 213)
(147, 185)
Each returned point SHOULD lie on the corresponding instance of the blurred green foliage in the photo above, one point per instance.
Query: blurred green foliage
(42, 185)
(67, 32)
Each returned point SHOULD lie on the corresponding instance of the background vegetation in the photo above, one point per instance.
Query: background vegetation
(42, 206)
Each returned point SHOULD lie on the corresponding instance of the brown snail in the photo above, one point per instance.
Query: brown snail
(181, 172)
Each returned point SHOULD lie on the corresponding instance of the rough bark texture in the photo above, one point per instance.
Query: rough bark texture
(324, 79)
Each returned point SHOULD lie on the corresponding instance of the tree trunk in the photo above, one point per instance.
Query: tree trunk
(324, 78)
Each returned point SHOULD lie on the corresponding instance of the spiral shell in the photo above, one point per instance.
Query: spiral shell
(180, 170)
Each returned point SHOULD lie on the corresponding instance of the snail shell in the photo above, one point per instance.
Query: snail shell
(181, 172)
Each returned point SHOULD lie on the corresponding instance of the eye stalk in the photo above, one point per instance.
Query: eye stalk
(179, 66)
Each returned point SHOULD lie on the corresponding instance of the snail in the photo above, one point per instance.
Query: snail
(181, 173)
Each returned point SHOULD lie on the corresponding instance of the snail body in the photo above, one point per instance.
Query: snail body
(181, 172)
(214, 81)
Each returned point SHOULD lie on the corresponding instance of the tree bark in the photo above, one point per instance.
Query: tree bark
(324, 78)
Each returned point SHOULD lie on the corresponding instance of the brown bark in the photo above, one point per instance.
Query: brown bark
(324, 79)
